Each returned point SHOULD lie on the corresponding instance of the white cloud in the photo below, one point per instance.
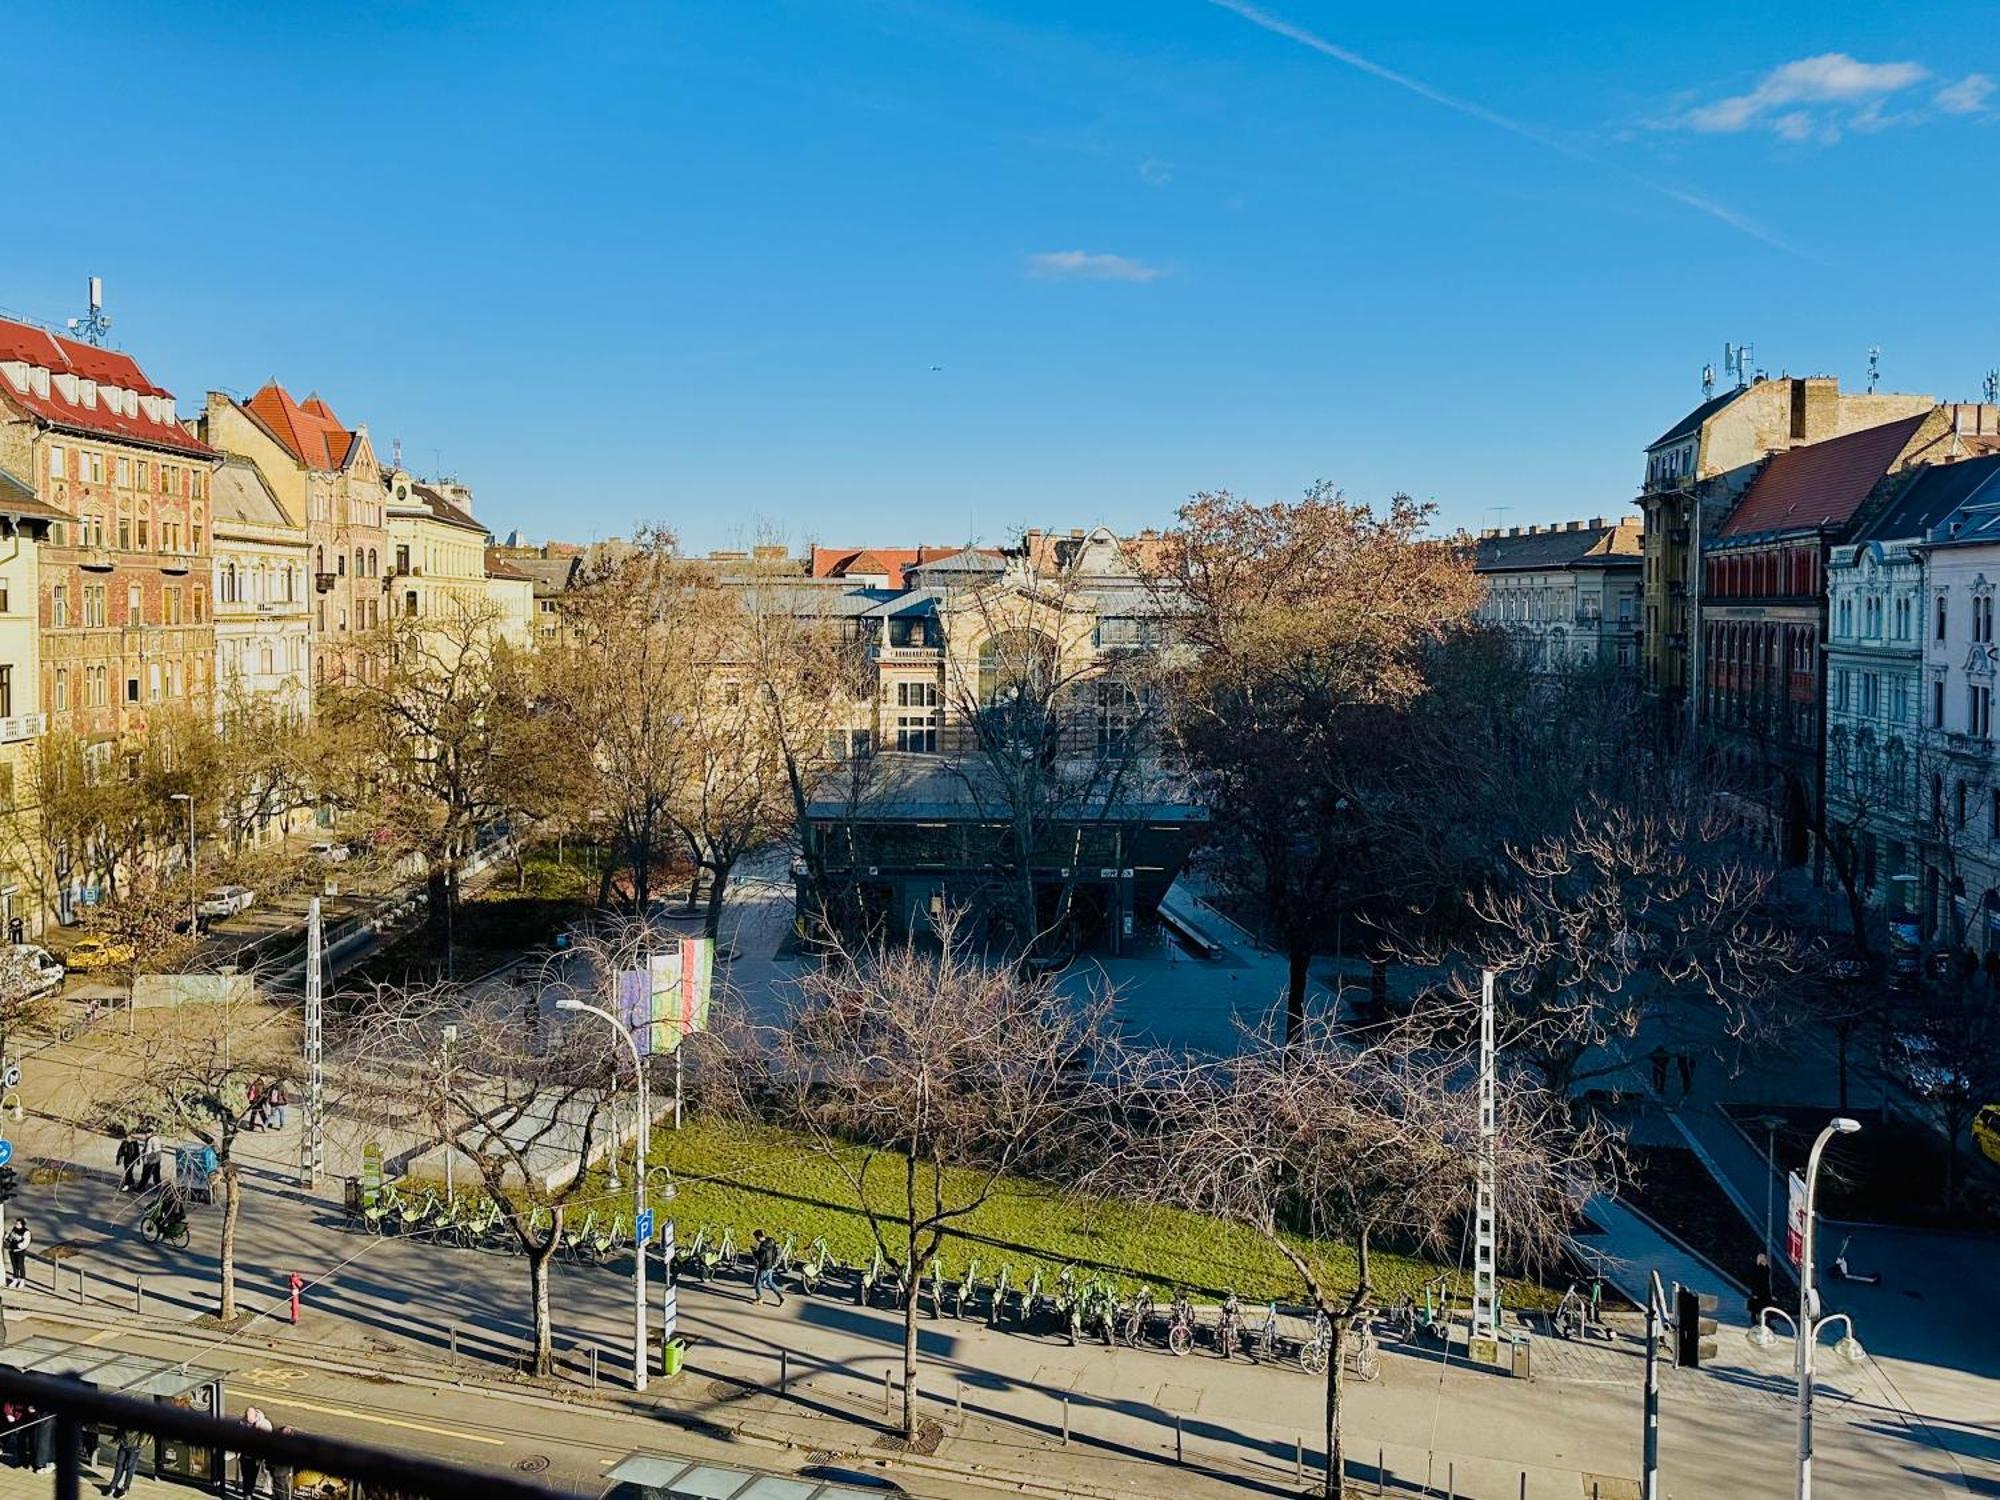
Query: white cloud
(1155, 173)
(1083, 265)
(1812, 98)
(1966, 97)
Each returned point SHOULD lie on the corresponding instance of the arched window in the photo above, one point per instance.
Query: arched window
(319, 559)
(374, 565)
(1015, 666)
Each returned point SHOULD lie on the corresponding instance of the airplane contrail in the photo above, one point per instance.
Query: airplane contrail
(1278, 26)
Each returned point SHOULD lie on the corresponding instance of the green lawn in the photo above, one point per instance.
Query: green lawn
(750, 1178)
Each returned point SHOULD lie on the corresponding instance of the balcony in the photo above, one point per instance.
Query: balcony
(95, 559)
(175, 562)
(892, 655)
(17, 727)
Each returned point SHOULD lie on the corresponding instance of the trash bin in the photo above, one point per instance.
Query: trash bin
(672, 1352)
(350, 1197)
(1519, 1357)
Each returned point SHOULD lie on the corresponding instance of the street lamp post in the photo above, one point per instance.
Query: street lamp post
(194, 887)
(640, 1360)
(1807, 1327)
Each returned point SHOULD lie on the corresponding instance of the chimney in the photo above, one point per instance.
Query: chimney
(1513, 531)
(1076, 533)
(1815, 408)
(1597, 523)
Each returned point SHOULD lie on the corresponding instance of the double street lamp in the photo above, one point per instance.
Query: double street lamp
(1809, 1325)
(640, 1356)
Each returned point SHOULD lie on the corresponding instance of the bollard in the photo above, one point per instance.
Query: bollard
(1381, 1473)
(1524, 1484)
(452, 1333)
(1451, 1481)
(1065, 1402)
(1301, 1468)
(960, 1401)
(138, 1296)
(784, 1371)
(1180, 1455)
(887, 1405)
(79, 1286)
(593, 1367)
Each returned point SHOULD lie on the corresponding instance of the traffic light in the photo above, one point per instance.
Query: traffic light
(1694, 1335)
(10, 1184)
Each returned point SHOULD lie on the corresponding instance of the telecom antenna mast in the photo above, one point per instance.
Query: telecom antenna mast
(312, 1147)
(1992, 384)
(93, 326)
(1485, 1278)
(1874, 366)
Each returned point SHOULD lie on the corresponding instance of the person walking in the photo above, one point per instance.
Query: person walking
(764, 1256)
(284, 1473)
(1686, 1061)
(249, 1466)
(124, 1462)
(127, 1157)
(20, 1239)
(277, 1101)
(1760, 1286)
(254, 1116)
(151, 1153)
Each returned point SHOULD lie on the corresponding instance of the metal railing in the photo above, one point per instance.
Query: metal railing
(74, 1406)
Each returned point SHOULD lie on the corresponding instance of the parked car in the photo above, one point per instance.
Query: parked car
(97, 952)
(226, 901)
(1986, 1131)
(328, 853)
(27, 971)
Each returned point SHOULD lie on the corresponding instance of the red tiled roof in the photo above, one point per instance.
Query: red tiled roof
(1822, 484)
(443, 509)
(497, 566)
(311, 433)
(839, 562)
(61, 356)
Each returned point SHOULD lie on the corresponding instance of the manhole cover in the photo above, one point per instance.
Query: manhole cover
(821, 1456)
(723, 1390)
(534, 1463)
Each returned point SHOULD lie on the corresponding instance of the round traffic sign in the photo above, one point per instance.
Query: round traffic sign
(6, 1152)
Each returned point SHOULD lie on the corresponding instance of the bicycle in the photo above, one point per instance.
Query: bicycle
(166, 1223)
(1578, 1316)
(997, 1309)
(1229, 1327)
(1315, 1352)
(1137, 1314)
(1266, 1343)
(814, 1265)
(968, 1288)
(1180, 1323)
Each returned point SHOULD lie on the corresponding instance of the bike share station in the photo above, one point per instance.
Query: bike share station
(141, 1379)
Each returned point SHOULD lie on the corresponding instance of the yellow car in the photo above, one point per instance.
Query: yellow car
(1986, 1131)
(97, 952)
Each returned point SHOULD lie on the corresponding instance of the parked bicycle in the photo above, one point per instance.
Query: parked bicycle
(1229, 1327)
(1180, 1323)
(814, 1266)
(1580, 1314)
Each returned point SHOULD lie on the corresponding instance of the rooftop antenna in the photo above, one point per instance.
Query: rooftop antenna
(1874, 366)
(93, 325)
(1738, 362)
(396, 452)
(1707, 381)
(1497, 512)
(1993, 387)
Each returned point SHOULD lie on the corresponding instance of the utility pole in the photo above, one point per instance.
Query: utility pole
(1657, 1322)
(312, 1144)
(1485, 1278)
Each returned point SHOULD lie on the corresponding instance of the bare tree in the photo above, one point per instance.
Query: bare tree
(1314, 1140)
(518, 1092)
(626, 679)
(1053, 715)
(1630, 916)
(195, 1074)
(923, 1077)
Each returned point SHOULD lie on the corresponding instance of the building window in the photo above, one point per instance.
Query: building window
(1937, 704)
(917, 733)
(916, 695)
(58, 462)
(1982, 619)
(131, 689)
(1979, 712)
(1940, 616)
(62, 689)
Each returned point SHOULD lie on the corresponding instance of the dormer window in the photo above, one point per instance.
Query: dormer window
(87, 392)
(66, 387)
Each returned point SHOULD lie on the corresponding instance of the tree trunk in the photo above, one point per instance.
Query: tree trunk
(606, 874)
(711, 920)
(912, 1282)
(539, 1257)
(1336, 1357)
(226, 1256)
(1298, 960)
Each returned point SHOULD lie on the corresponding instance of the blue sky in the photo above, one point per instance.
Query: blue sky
(696, 263)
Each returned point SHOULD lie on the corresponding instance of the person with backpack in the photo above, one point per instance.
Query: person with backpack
(19, 1239)
(124, 1462)
(764, 1256)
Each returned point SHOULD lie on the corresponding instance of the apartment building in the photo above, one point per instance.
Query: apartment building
(124, 577)
(1569, 592)
(263, 594)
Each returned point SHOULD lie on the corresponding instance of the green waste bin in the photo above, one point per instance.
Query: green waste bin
(672, 1352)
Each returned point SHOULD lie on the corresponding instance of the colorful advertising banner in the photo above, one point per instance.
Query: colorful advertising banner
(1795, 1219)
(676, 993)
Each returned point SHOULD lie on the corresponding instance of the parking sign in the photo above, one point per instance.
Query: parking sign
(643, 1230)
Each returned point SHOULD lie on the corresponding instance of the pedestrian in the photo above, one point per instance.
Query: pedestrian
(284, 1474)
(124, 1462)
(41, 1440)
(254, 1116)
(1760, 1286)
(1660, 1058)
(764, 1256)
(19, 1239)
(151, 1152)
(249, 1465)
(12, 1438)
(127, 1157)
(278, 1100)
(1687, 1073)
